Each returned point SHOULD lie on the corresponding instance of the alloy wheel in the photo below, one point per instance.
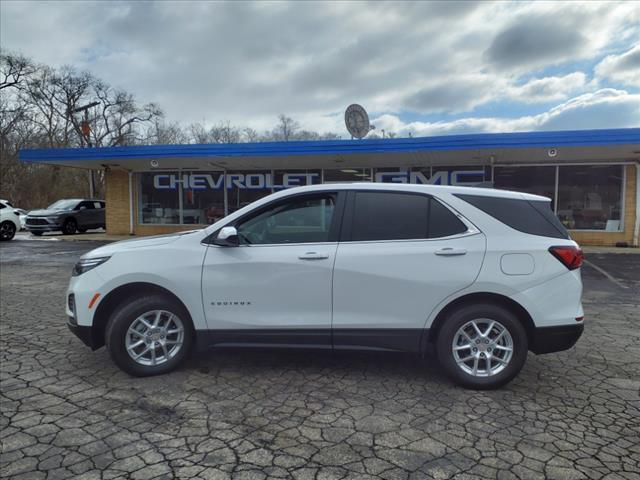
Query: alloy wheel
(7, 231)
(155, 337)
(69, 227)
(482, 347)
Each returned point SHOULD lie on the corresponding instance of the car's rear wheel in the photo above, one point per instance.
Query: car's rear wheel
(149, 336)
(69, 227)
(482, 346)
(7, 230)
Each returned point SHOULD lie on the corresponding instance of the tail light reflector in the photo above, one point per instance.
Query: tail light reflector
(570, 256)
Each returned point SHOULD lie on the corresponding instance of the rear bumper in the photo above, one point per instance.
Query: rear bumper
(555, 339)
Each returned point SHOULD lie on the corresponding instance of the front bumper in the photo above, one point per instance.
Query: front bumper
(555, 339)
(51, 227)
(83, 333)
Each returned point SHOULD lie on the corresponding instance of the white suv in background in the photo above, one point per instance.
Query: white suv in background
(9, 220)
(480, 276)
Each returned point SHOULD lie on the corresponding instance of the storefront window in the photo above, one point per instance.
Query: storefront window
(462, 175)
(246, 187)
(392, 175)
(467, 175)
(159, 201)
(347, 175)
(536, 180)
(295, 178)
(203, 198)
(589, 197)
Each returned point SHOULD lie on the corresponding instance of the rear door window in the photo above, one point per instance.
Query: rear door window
(529, 216)
(401, 216)
(389, 216)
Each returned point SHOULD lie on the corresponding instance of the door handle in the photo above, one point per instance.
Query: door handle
(313, 256)
(450, 252)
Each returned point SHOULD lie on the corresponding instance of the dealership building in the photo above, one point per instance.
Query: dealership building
(591, 176)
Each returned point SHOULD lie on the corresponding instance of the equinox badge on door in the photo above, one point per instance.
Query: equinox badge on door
(230, 303)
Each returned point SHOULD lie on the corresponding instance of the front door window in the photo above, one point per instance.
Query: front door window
(303, 220)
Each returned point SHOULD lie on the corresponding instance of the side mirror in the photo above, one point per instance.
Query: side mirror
(82, 208)
(227, 237)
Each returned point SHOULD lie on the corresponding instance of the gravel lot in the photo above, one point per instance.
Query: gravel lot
(69, 412)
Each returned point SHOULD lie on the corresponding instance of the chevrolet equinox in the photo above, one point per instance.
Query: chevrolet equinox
(478, 276)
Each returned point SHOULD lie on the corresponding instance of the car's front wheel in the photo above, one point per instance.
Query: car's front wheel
(482, 346)
(149, 335)
(69, 227)
(7, 230)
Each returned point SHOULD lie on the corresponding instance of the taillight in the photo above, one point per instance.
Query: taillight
(570, 256)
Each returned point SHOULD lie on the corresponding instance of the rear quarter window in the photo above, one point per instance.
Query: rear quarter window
(529, 216)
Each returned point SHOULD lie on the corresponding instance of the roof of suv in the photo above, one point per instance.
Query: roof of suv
(433, 189)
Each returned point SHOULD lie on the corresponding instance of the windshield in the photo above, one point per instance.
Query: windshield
(63, 205)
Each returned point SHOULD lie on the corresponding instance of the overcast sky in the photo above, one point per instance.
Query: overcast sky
(425, 68)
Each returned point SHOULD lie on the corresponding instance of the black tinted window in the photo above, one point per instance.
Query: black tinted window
(400, 216)
(87, 205)
(389, 216)
(442, 222)
(534, 217)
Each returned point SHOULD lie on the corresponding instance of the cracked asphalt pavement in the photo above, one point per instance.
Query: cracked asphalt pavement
(69, 412)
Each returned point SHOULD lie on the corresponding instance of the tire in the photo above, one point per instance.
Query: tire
(37, 234)
(496, 366)
(128, 315)
(69, 227)
(7, 231)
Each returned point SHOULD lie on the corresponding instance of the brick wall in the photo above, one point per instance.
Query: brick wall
(117, 198)
(611, 238)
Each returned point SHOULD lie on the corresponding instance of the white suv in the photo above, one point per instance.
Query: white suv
(9, 220)
(480, 276)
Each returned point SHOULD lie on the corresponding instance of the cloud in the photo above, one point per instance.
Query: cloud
(535, 40)
(460, 94)
(623, 68)
(544, 34)
(605, 108)
(548, 88)
(249, 61)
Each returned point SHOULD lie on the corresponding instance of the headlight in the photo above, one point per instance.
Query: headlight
(86, 264)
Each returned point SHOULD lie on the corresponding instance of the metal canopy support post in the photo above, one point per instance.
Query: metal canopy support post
(226, 195)
(131, 232)
(636, 231)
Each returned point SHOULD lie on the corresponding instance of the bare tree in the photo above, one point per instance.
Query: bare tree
(285, 129)
(250, 135)
(162, 133)
(36, 106)
(15, 68)
(223, 132)
(198, 133)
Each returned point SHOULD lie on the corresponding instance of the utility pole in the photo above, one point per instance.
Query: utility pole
(85, 138)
